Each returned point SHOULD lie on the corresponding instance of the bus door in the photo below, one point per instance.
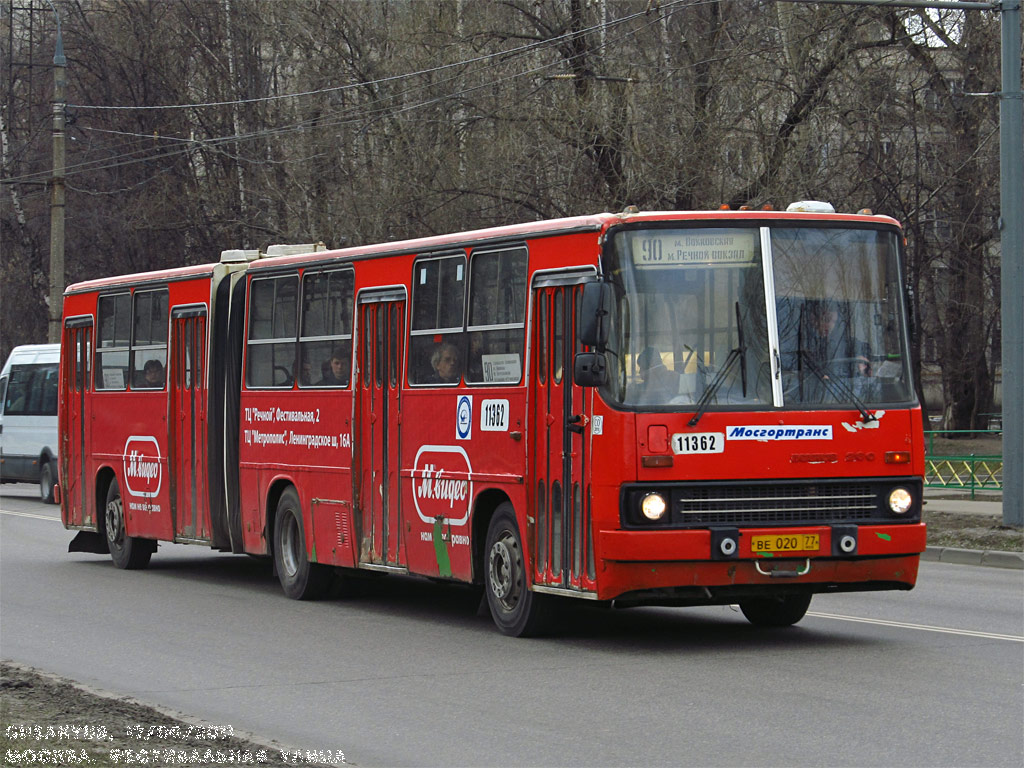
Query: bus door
(376, 441)
(76, 355)
(188, 425)
(563, 541)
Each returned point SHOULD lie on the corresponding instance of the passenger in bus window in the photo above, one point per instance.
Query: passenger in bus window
(335, 370)
(153, 373)
(445, 362)
(305, 372)
(660, 384)
(474, 360)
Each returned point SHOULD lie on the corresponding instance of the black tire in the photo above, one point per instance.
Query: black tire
(300, 579)
(781, 611)
(128, 552)
(47, 476)
(516, 609)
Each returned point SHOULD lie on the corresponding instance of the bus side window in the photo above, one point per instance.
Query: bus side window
(114, 318)
(271, 350)
(325, 336)
(497, 316)
(438, 311)
(149, 339)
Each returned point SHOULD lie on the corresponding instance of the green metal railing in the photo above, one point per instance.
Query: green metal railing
(971, 472)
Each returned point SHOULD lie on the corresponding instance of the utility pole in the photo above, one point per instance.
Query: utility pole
(57, 186)
(1011, 225)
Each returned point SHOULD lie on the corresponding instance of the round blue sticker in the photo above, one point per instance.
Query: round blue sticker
(464, 417)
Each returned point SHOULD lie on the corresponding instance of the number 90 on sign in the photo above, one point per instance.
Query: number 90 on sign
(698, 442)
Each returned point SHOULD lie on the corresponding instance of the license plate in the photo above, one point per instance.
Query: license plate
(785, 542)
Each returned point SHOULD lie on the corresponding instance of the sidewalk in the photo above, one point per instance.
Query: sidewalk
(963, 506)
(983, 508)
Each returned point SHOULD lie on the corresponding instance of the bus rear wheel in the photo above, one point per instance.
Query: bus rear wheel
(783, 611)
(128, 552)
(300, 579)
(517, 611)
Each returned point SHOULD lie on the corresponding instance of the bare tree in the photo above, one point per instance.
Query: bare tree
(241, 123)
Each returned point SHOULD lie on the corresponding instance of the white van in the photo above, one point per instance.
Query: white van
(28, 417)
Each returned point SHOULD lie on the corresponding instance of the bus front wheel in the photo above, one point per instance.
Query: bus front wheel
(516, 610)
(128, 552)
(782, 611)
(300, 579)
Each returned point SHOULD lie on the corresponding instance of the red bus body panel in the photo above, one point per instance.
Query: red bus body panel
(453, 470)
(127, 432)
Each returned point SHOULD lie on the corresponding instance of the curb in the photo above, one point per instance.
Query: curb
(1013, 560)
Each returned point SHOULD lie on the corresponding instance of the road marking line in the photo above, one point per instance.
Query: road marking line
(924, 627)
(29, 514)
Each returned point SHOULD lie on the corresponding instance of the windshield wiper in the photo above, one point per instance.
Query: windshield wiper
(739, 352)
(836, 387)
(742, 348)
(712, 388)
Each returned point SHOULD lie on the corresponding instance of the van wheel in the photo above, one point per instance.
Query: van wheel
(775, 611)
(516, 610)
(129, 552)
(46, 478)
(300, 579)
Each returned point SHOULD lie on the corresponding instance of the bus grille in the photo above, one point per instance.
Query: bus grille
(766, 503)
(776, 504)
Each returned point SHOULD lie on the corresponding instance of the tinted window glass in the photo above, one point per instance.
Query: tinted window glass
(31, 390)
(497, 317)
(149, 340)
(113, 341)
(437, 335)
(325, 343)
(271, 358)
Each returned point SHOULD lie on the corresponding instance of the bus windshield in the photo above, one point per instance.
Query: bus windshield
(692, 324)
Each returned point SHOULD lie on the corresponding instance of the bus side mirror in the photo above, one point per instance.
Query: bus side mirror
(590, 369)
(595, 311)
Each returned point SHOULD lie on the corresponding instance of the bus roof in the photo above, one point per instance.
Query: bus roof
(592, 223)
(599, 222)
(156, 276)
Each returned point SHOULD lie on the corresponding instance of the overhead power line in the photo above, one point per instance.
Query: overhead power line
(511, 53)
(379, 107)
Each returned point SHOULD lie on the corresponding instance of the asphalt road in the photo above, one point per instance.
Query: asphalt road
(409, 674)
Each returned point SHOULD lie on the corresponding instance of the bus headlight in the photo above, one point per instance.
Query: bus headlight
(900, 501)
(654, 506)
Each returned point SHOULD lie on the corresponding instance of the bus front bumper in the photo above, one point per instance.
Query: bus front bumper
(694, 564)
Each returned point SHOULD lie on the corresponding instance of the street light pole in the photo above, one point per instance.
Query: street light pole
(1011, 225)
(57, 186)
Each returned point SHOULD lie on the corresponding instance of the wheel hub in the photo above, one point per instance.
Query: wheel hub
(505, 566)
(115, 521)
(289, 546)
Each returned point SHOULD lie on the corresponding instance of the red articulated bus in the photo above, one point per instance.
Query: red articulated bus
(677, 408)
